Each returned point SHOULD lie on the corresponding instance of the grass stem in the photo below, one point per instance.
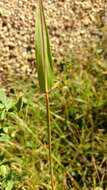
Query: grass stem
(49, 138)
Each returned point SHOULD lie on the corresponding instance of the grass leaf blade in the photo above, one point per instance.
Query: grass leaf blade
(43, 53)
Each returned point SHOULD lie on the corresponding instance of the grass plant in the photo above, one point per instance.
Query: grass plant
(44, 68)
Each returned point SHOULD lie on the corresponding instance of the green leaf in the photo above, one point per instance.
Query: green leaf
(19, 104)
(43, 52)
(9, 104)
(2, 96)
(1, 106)
(10, 185)
(3, 114)
(4, 138)
(3, 170)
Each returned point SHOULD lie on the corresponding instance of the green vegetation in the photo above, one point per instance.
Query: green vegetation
(79, 133)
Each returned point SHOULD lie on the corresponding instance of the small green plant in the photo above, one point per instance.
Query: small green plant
(6, 104)
(44, 68)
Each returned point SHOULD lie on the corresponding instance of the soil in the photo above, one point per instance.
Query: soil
(73, 26)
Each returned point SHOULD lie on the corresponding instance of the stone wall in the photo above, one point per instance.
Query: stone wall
(72, 26)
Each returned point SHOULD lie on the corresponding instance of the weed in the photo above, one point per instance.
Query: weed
(78, 115)
(44, 68)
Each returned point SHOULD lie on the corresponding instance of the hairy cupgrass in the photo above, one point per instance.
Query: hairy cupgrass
(44, 68)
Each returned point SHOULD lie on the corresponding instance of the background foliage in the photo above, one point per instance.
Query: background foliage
(79, 134)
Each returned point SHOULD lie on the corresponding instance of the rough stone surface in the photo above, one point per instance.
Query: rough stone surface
(72, 26)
